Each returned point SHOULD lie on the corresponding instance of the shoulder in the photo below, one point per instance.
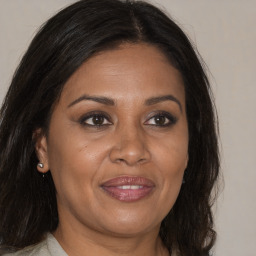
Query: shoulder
(38, 249)
(48, 247)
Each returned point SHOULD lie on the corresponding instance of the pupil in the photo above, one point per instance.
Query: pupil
(160, 120)
(98, 120)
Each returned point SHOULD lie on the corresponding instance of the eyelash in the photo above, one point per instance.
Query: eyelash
(86, 117)
(171, 119)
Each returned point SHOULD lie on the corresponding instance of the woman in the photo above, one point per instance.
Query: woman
(108, 140)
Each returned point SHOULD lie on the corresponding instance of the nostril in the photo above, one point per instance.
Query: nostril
(130, 151)
(118, 156)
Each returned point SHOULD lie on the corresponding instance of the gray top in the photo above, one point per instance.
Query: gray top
(48, 247)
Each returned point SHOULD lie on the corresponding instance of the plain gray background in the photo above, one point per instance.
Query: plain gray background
(225, 35)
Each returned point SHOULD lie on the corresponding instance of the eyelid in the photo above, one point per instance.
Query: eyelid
(172, 119)
(82, 120)
(92, 114)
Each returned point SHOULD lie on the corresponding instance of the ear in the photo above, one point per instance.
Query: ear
(41, 150)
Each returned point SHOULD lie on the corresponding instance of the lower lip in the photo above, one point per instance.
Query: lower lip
(128, 195)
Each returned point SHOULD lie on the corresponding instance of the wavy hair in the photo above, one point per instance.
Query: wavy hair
(28, 207)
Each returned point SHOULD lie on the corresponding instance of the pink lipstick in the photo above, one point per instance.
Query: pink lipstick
(128, 189)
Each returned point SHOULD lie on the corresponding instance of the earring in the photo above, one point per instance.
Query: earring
(40, 165)
(183, 181)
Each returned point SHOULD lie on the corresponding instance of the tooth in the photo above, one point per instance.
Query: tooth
(124, 187)
(130, 187)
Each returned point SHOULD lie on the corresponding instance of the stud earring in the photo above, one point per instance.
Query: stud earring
(40, 165)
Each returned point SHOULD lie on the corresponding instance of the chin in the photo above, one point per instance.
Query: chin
(129, 224)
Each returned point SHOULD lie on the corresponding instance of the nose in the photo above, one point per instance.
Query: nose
(130, 147)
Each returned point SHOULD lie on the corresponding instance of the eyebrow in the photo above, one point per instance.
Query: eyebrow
(110, 102)
(99, 99)
(155, 100)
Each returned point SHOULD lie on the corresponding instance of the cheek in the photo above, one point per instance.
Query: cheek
(171, 157)
(76, 158)
(172, 169)
(172, 153)
(73, 166)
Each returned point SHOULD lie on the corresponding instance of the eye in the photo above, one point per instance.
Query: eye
(162, 119)
(95, 119)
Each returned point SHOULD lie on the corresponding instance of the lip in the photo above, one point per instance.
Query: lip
(128, 188)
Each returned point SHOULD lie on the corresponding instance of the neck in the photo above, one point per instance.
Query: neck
(90, 242)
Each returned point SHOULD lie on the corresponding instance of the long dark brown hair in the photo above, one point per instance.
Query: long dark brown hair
(28, 207)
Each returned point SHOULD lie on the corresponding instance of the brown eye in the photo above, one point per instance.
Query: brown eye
(98, 120)
(160, 120)
(95, 119)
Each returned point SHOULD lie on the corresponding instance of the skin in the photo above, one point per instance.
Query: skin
(81, 155)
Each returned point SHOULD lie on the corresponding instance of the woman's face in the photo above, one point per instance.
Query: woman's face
(117, 145)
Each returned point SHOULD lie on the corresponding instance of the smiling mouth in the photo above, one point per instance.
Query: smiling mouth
(128, 189)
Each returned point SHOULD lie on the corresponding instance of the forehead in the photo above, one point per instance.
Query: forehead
(125, 72)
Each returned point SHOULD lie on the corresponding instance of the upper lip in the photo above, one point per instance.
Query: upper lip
(128, 180)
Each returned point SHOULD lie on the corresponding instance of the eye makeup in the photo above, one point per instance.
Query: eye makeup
(100, 119)
(161, 119)
(95, 119)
